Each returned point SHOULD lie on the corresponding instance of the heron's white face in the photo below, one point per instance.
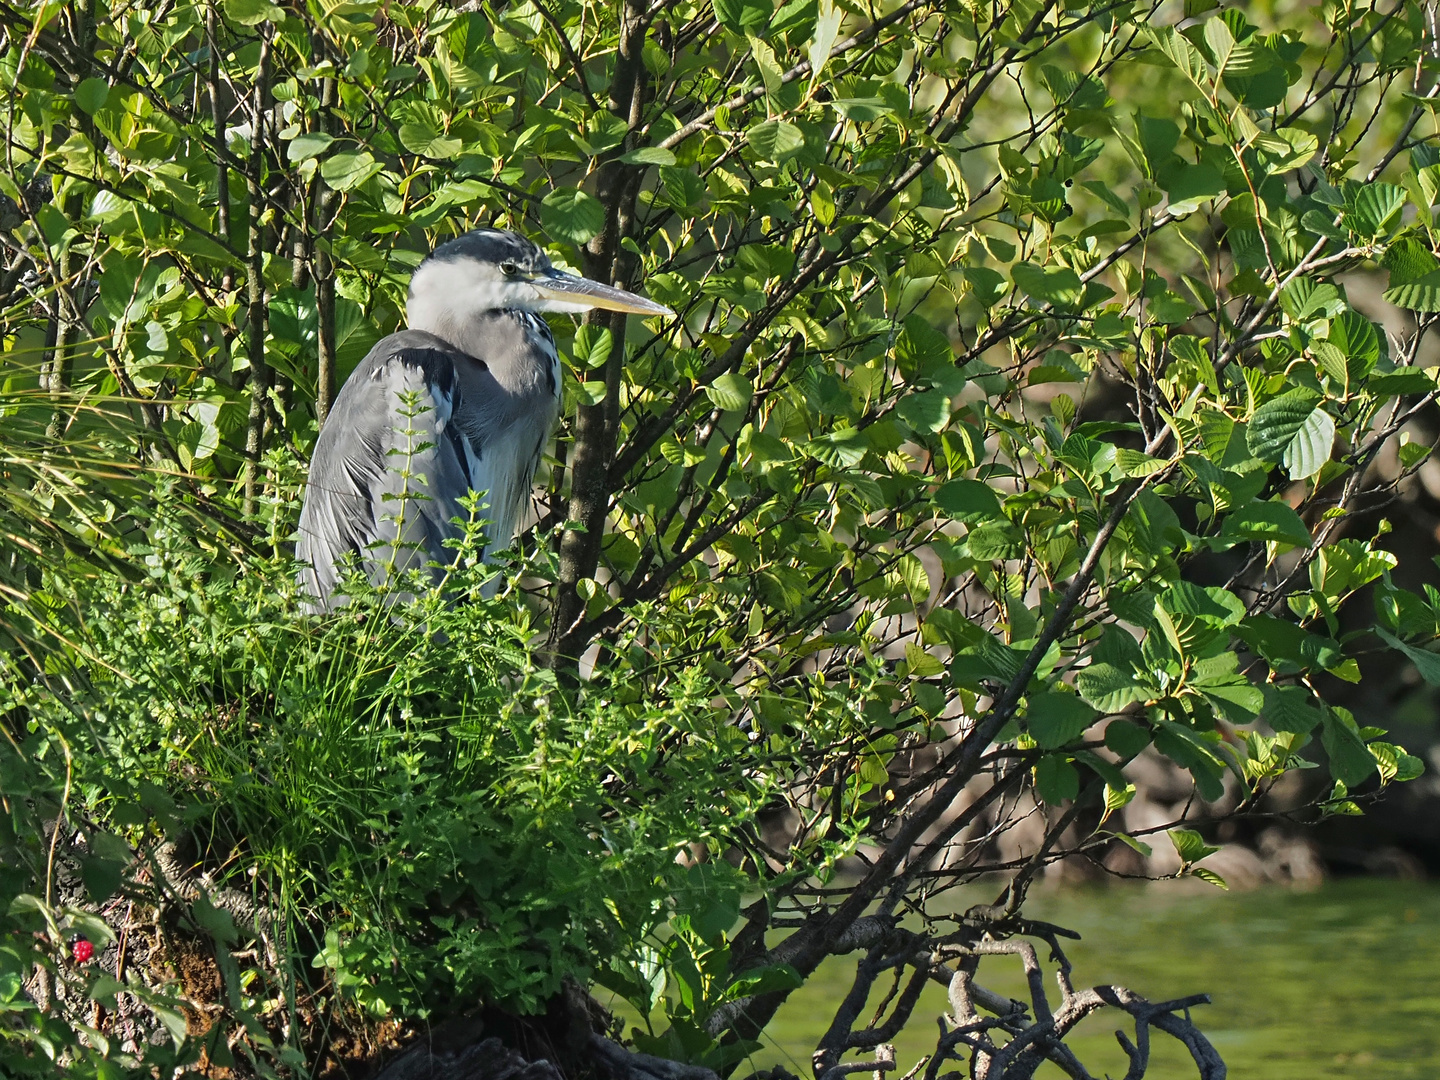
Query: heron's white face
(452, 291)
(446, 293)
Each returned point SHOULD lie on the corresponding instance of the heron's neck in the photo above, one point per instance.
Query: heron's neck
(484, 335)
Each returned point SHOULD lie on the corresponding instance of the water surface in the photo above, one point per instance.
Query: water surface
(1340, 982)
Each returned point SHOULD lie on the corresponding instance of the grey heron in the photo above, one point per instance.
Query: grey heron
(462, 400)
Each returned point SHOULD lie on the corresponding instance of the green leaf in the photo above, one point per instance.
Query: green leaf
(1401, 381)
(648, 155)
(1134, 463)
(839, 449)
(1056, 779)
(1426, 663)
(862, 110)
(1158, 137)
(56, 226)
(1190, 752)
(1119, 790)
(827, 28)
(1374, 207)
(215, 921)
(1056, 719)
(1305, 299)
(1190, 845)
(1192, 185)
(1355, 337)
(776, 140)
(968, 500)
(1184, 55)
(591, 393)
(731, 392)
(1272, 522)
(920, 349)
(1350, 761)
(1054, 285)
(102, 877)
(741, 16)
(1133, 844)
(988, 285)
(763, 981)
(1322, 223)
(592, 346)
(1169, 307)
(928, 411)
(1278, 421)
(992, 542)
(770, 74)
(1238, 702)
(427, 141)
(172, 1020)
(1289, 709)
(1216, 606)
(570, 215)
(1422, 294)
(308, 145)
(252, 12)
(1126, 738)
(1310, 449)
(1151, 526)
(1220, 41)
(987, 659)
(1288, 148)
(1407, 258)
(1073, 89)
(1117, 798)
(349, 169)
(922, 664)
(1209, 877)
(91, 95)
(1110, 688)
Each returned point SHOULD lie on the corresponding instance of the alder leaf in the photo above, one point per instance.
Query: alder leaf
(1310, 449)
(1278, 421)
(731, 392)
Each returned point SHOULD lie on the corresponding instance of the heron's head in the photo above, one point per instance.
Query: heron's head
(492, 270)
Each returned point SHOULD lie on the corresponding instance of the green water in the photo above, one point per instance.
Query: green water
(1341, 982)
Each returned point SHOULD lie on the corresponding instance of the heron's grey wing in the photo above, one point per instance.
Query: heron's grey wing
(388, 468)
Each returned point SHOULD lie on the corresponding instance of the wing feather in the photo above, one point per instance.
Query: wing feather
(389, 467)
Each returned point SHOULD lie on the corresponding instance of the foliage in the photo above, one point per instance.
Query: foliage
(1017, 387)
(428, 830)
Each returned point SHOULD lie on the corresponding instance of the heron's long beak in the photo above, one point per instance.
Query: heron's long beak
(584, 293)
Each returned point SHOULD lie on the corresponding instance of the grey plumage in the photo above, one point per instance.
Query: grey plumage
(464, 400)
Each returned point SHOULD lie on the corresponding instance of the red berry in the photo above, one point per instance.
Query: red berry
(82, 950)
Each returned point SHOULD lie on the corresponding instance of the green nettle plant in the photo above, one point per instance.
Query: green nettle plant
(1016, 422)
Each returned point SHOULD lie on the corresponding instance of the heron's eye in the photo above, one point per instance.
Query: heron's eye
(509, 269)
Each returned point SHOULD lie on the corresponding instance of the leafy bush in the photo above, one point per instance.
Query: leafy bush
(403, 779)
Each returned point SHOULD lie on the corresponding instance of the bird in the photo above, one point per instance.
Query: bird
(464, 399)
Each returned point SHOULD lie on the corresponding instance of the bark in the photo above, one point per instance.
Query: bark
(324, 273)
(597, 427)
(217, 119)
(255, 285)
(57, 368)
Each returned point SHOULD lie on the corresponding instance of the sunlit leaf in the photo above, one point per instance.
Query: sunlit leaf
(1056, 719)
(571, 215)
(731, 391)
(1272, 522)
